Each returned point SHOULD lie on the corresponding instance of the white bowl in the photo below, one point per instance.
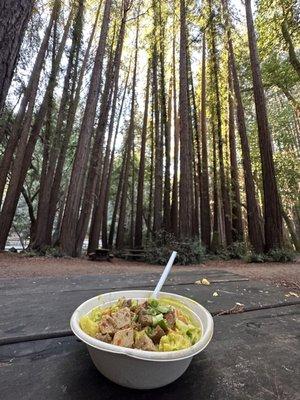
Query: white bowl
(136, 368)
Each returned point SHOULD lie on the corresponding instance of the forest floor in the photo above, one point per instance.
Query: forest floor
(17, 266)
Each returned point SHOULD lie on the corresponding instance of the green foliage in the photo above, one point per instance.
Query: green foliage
(238, 250)
(275, 255)
(48, 251)
(281, 255)
(159, 249)
(255, 258)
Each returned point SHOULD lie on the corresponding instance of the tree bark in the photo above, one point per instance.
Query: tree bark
(21, 126)
(118, 197)
(292, 54)
(174, 205)
(204, 186)
(224, 189)
(272, 210)
(43, 230)
(186, 169)
(26, 148)
(69, 222)
(14, 17)
(101, 205)
(237, 223)
(140, 191)
(158, 160)
(253, 217)
(195, 135)
(67, 131)
(130, 140)
(215, 243)
(294, 237)
(150, 204)
(165, 123)
(94, 172)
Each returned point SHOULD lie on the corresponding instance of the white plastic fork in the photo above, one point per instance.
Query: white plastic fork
(164, 275)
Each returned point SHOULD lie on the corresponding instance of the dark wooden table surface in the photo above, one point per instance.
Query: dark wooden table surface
(253, 355)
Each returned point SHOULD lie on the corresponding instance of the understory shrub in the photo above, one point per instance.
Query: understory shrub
(159, 249)
(47, 251)
(237, 250)
(276, 255)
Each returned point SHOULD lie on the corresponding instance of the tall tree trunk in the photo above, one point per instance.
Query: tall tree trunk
(186, 169)
(294, 237)
(101, 205)
(43, 233)
(119, 189)
(215, 243)
(26, 148)
(132, 200)
(292, 54)
(253, 217)
(69, 222)
(150, 204)
(140, 191)
(94, 172)
(167, 188)
(28, 200)
(237, 223)
(67, 131)
(164, 123)
(224, 189)
(118, 197)
(23, 119)
(195, 135)
(272, 210)
(14, 17)
(204, 187)
(130, 141)
(174, 206)
(158, 163)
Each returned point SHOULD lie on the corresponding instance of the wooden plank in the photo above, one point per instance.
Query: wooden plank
(252, 356)
(107, 281)
(49, 312)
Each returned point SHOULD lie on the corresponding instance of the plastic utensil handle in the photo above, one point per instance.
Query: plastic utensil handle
(164, 274)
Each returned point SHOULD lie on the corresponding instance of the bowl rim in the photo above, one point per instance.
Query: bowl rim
(175, 355)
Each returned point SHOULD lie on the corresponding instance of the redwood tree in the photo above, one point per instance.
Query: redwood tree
(141, 177)
(237, 223)
(113, 81)
(215, 72)
(14, 16)
(254, 226)
(204, 187)
(21, 126)
(272, 209)
(129, 146)
(186, 168)
(69, 222)
(158, 152)
(44, 230)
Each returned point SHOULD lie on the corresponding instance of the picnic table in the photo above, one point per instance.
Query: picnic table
(253, 354)
(100, 255)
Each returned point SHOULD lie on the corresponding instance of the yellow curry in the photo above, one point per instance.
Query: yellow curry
(153, 325)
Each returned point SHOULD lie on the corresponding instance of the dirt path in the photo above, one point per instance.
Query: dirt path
(17, 266)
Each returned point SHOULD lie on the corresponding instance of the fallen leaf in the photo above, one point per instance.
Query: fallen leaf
(293, 294)
(203, 281)
(238, 308)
